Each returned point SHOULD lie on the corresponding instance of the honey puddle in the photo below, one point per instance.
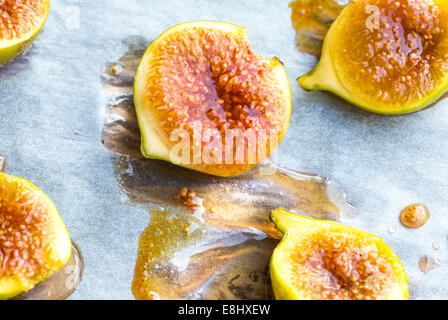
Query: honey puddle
(311, 19)
(62, 283)
(223, 252)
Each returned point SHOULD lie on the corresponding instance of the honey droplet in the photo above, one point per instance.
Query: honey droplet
(414, 216)
(427, 263)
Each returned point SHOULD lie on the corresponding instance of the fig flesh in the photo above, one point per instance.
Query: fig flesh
(205, 101)
(20, 23)
(34, 242)
(385, 56)
(326, 260)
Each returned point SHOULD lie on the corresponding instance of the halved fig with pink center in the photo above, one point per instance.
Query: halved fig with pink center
(206, 101)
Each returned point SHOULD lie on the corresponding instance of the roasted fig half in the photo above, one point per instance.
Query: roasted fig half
(385, 56)
(34, 242)
(326, 260)
(20, 23)
(206, 101)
